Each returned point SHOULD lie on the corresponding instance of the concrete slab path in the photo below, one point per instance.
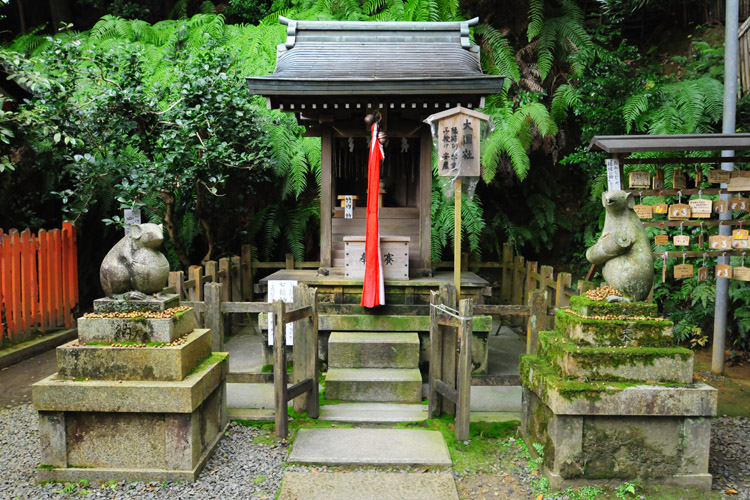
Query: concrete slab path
(367, 486)
(370, 447)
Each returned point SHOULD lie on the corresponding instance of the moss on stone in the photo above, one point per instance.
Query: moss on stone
(589, 307)
(648, 333)
(214, 358)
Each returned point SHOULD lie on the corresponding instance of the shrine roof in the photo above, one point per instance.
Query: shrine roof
(656, 143)
(350, 58)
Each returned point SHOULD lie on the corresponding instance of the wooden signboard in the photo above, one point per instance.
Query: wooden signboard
(703, 273)
(643, 211)
(679, 211)
(698, 178)
(717, 176)
(740, 234)
(661, 239)
(661, 208)
(740, 173)
(657, 182)
(741, 273)
(679, 181)
(720, 243)
(639, 179)
(681, 240)
(740, 204)
(701, 208)
(458, 141)
(720, 207)
(739, 184)
(741, 244)
(724, 271)
(682, 271)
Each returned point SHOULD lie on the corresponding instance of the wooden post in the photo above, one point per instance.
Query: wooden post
(564, 281)
(195, 274)
(506, 285)
(313, 399)
(457, 238)
(448, 335)
(537, 310)
(519, 267)
(177, 280)
(463, 376)
(300, 348)
(212, 271)
(289, 261)
(225, 278)
(236, 278)
(436, 357)
(279, 370)
(246, 271)
(214, 317)
(547, 273)
(326, 197)
(584, 286)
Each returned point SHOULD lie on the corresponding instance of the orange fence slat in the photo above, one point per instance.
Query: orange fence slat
(44, 293)
(34, 284)
(56, 278)
(67, 274)
(27, 319)
(4, 271)
(16, 323)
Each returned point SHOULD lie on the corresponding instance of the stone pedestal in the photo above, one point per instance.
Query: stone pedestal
(133, 408)
(611, 399)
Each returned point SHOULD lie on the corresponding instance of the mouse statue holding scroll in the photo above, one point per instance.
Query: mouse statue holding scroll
(135, 263)
(623, 248)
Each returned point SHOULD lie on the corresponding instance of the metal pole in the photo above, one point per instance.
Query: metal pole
(728, 127)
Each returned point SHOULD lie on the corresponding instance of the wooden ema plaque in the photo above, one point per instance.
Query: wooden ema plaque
(681, 240)
(739, 184)
(661, 239)
(639, 179)
(741, 244)
(720, 207)
(679, 211)
(724, 271)
(661, 208)
(458, 141)
(740, 204)
(740, 234)
(720, 242)
(682, 271)
(643, 211)
(701, 208)
(717, 176)
(657, 182)
(741, 273)
(679, 181)
(703, 273)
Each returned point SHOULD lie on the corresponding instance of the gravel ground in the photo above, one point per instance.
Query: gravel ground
(245, 467)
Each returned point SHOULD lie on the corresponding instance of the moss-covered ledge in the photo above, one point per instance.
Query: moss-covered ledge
(614, 332)
(589, 307)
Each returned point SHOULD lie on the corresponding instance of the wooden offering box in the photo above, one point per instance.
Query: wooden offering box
(394, 251)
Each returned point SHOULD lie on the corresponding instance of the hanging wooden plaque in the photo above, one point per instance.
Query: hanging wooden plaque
(681, 240)
(740, 173)
(682, 271)
(698, 178)
(740, 234)
(701, 241)
(701, 208)
(717, 176)
(643, 211)
(739, 184)
(661, 239)
(741, 273)
(724, 271)
(740, 204)
(639, 179)
(720, 243)
(741, 244)
(703, 273)
(679, 211)
(657, 182)
(661, 208)
(679, 181)
(720, 207)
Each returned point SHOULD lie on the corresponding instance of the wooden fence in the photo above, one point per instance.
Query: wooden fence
(38, 281)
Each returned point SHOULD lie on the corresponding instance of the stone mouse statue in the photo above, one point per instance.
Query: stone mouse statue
(623, 247)
(135, 263)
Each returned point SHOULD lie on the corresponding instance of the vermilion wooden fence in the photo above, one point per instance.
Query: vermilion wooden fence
(38, 281)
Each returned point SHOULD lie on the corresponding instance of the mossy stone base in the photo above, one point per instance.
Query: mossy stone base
(652, 333)
(590, 449)
(384, 385)
(124, 305)
(589, 307)
(141, 330)
(134, 363)
(644, 364)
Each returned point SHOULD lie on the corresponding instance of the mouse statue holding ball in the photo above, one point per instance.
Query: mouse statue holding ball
(135, 263)
(623, 248)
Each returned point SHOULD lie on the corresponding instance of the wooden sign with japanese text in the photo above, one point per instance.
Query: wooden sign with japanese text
(661, 239)
(679, 181)
(724, 271)
(720, 242)
(741, 273)
(741, 244)
(740, 204)
(719, 176)
(657, 182)
(740, 234)
(701, 208)
(643, 211)
(720, 207)
(679, 211)
(681, 240)
(639, 179)
(458, 134)
(682, 271)
(703, 273)
(739, 184)
(614, 182)
(661, 208)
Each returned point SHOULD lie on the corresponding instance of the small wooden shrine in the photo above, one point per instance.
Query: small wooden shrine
(331, 74)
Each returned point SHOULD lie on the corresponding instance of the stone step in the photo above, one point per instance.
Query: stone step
(373, 350)
(589, 307)
(641, 364)
(374, 412)
(367, 486)
(614, 332)
(395, 385)
(379, 447)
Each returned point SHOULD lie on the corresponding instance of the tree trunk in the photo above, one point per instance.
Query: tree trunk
(60, 13)
(169, 223)
(200, 205)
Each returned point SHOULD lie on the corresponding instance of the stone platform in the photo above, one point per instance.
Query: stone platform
(611, 399)
(138, 409)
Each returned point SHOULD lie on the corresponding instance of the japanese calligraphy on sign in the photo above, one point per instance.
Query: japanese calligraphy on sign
(458, 141)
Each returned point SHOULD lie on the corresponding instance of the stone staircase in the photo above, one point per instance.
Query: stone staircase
(374, 367)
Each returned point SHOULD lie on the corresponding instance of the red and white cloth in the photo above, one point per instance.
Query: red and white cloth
(373, 288)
